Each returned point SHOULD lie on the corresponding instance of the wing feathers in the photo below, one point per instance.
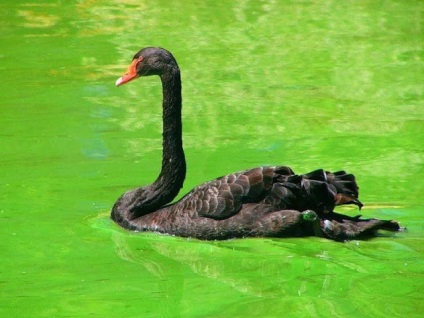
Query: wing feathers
(277, 187)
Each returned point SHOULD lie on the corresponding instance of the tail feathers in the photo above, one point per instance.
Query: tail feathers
(344, 183)
(300, 193)
(318, 175)
(346, 187)
(318, 190)
(318, 195)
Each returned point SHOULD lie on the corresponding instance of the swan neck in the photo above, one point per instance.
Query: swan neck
(172, 175)
(145, 200)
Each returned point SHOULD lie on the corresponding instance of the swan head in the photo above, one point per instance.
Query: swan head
(148, 61)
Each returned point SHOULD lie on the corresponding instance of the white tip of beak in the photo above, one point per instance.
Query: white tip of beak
(118, 81)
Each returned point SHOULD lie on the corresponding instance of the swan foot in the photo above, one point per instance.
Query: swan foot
(341, 228)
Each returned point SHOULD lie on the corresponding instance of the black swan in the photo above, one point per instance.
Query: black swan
(263, 201)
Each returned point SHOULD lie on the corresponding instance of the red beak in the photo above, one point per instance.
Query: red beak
(130, 74)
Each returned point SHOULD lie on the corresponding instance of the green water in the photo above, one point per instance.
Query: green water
(310, 84)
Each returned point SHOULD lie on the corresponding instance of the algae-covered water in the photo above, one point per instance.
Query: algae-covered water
(310, 84)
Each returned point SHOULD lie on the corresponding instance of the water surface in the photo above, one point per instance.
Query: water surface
(310, 84)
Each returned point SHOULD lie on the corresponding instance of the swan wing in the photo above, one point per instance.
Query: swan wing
(277, 188)
(224, 197)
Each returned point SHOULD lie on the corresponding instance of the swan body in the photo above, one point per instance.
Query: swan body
(263, 201)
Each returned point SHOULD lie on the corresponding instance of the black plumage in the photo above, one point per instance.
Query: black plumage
(263, 201)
